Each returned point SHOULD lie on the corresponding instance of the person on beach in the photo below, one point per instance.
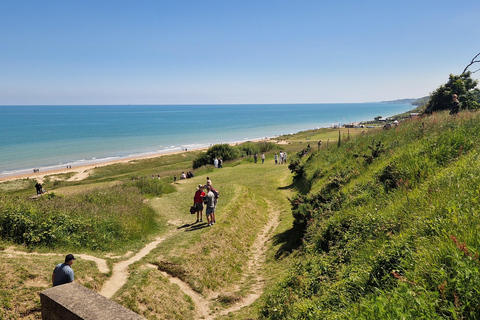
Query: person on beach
(263, 158)
(276, 158)
(63, 272)
(455, 105)
(255, 158)
(198, 203)
(210, 199)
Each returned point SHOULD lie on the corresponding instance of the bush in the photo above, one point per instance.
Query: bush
(97, 220)
(223, 151)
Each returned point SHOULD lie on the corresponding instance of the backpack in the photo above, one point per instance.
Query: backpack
(216, 193)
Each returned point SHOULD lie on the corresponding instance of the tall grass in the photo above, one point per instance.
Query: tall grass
(100, 219)
(394, 238)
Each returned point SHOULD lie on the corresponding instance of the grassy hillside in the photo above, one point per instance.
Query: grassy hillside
(390, 226)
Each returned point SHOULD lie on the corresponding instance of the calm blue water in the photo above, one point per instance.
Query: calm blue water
(50, 137)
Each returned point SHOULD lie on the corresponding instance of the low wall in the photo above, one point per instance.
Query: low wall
(74, 302)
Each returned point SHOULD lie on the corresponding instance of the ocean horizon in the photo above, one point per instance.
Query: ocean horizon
(52, 137)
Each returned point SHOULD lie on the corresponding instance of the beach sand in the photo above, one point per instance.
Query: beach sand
(82, 172)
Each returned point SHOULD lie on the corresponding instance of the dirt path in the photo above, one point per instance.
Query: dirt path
(254, 265)
(203, 310)
(120, 270)
(253, 270)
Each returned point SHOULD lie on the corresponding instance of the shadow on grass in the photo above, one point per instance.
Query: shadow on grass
(288, 240)
(193, 226)
(299, 185)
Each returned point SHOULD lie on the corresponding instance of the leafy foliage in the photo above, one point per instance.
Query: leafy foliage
(98, 220)
(462, 85)
(223, 151)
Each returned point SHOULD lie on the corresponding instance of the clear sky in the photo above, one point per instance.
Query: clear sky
(204, 52)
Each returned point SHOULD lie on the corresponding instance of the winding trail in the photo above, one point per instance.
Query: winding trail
(203, 310)
(120, 270)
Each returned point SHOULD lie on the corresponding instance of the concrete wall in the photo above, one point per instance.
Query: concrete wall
(74, 302)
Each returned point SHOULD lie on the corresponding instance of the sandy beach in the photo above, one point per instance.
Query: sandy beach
(82, 172)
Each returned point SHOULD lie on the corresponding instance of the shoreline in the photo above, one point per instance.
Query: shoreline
(81, 170)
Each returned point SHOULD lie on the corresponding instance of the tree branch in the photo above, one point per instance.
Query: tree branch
(472, 62)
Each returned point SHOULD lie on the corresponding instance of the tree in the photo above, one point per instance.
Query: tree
(471, 63)
(463, 86)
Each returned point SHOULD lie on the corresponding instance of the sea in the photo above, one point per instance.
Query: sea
(53, 137)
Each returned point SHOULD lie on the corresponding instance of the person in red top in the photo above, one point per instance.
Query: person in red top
(198, 202)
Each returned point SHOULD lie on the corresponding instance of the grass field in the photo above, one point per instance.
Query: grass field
(212, 261)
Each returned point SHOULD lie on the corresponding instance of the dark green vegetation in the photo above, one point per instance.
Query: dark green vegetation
(100, 219)
(227, 152)
(389, 224)
(463, 86)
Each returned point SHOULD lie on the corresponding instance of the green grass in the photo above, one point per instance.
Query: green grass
(393, 237)
(384, 226)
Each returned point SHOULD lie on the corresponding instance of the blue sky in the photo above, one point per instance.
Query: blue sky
(204, 52)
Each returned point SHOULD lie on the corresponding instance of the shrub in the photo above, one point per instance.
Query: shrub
(99, 219)
(223, 151)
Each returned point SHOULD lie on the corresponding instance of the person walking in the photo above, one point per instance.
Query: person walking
(263, 158)
(255, 158)
(63, 272)
(209, 182)
(198, 203)
(276, 158)
(210, 206)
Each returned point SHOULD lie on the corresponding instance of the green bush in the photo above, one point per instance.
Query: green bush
(223, 151)
(98, 220)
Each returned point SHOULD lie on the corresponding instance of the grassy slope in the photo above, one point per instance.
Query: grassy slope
(211, 259)
(248, 193)
(396, 238)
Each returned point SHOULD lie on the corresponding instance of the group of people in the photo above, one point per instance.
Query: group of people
(187, 175)
(280, 158)
(218, 163)
(207, 200)
(39, 188)
(255, 156)
(184, 175)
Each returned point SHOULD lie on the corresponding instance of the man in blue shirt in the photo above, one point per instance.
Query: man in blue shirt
(63, 272)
